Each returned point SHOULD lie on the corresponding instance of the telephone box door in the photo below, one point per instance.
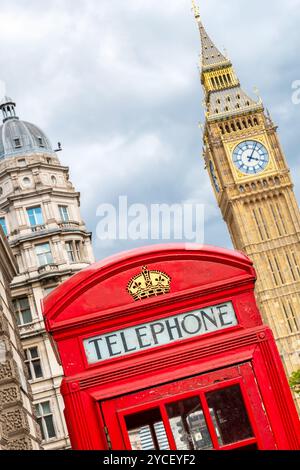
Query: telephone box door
(218, 410)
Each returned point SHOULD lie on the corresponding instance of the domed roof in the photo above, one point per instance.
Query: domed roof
(20, 137)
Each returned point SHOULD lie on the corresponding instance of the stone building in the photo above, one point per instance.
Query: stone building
(18, 427)
(254, 190)
(39, 212)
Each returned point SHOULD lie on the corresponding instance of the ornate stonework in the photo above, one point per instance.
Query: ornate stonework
(40, 209)
(17, 423)
(254, 190)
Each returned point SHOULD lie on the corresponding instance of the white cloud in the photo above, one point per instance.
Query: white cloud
(117, 82)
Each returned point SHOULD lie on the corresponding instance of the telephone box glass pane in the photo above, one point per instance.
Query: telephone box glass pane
(146, 431)
(229, 415)
(188, 425)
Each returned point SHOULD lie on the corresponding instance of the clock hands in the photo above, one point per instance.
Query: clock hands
(251, 156)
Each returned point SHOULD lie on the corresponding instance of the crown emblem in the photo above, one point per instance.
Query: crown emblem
(149, 284)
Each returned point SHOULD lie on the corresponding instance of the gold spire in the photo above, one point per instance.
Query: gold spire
(195, 9)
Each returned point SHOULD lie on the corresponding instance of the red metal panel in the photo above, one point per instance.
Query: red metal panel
(96, 302)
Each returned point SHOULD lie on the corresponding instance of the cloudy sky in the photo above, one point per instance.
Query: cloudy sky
(116, 81)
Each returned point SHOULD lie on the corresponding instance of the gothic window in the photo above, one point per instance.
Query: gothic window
(290, 316)
(45, 420)
(278, 270)
(264, 222)
(276, 220)
(291, 268)
(64, 213)
(296, 263)
(44, 254)
(273, 271)
(255, 121)
(33, 363)
(35, 216)
(258, 225)
(281, 218)
(3, 225)
(22, 311)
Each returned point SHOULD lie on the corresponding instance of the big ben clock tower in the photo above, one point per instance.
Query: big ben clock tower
(254, 190)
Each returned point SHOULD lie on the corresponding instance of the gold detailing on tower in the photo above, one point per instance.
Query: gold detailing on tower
(149, 284)
(195, 9)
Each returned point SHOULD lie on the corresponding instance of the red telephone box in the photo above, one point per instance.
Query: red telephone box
(164, 348)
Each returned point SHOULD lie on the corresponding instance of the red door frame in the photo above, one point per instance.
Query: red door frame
(114, 411)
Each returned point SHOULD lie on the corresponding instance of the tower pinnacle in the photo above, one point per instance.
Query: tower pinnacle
(211, 56)
(223, 93)
(196, 10)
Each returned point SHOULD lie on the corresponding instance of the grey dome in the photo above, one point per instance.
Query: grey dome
(20, 137)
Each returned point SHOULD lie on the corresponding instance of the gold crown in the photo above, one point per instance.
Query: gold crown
(149, 284)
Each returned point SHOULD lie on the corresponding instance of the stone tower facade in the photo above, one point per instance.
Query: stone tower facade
(18, 427)
(254, 190)
(39, 212)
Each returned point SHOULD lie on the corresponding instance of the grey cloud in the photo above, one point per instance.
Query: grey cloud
(117, 82)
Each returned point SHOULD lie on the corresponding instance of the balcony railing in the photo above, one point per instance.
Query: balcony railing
(38, 228)
(48, 268)
(68, 224)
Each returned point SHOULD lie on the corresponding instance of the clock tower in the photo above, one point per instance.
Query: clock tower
(254, 190)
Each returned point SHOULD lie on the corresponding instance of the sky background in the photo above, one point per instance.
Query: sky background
(117, 83)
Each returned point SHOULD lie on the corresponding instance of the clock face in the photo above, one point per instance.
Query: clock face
(214, 177)
(251, 157)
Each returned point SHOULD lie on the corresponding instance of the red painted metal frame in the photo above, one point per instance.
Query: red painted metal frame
(115, 411)
(95, 301)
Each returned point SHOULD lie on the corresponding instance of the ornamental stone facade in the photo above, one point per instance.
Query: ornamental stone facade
(253, 186)
(39, 212)
(18, 426)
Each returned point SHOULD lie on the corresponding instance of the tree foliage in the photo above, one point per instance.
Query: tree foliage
(295, 382)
